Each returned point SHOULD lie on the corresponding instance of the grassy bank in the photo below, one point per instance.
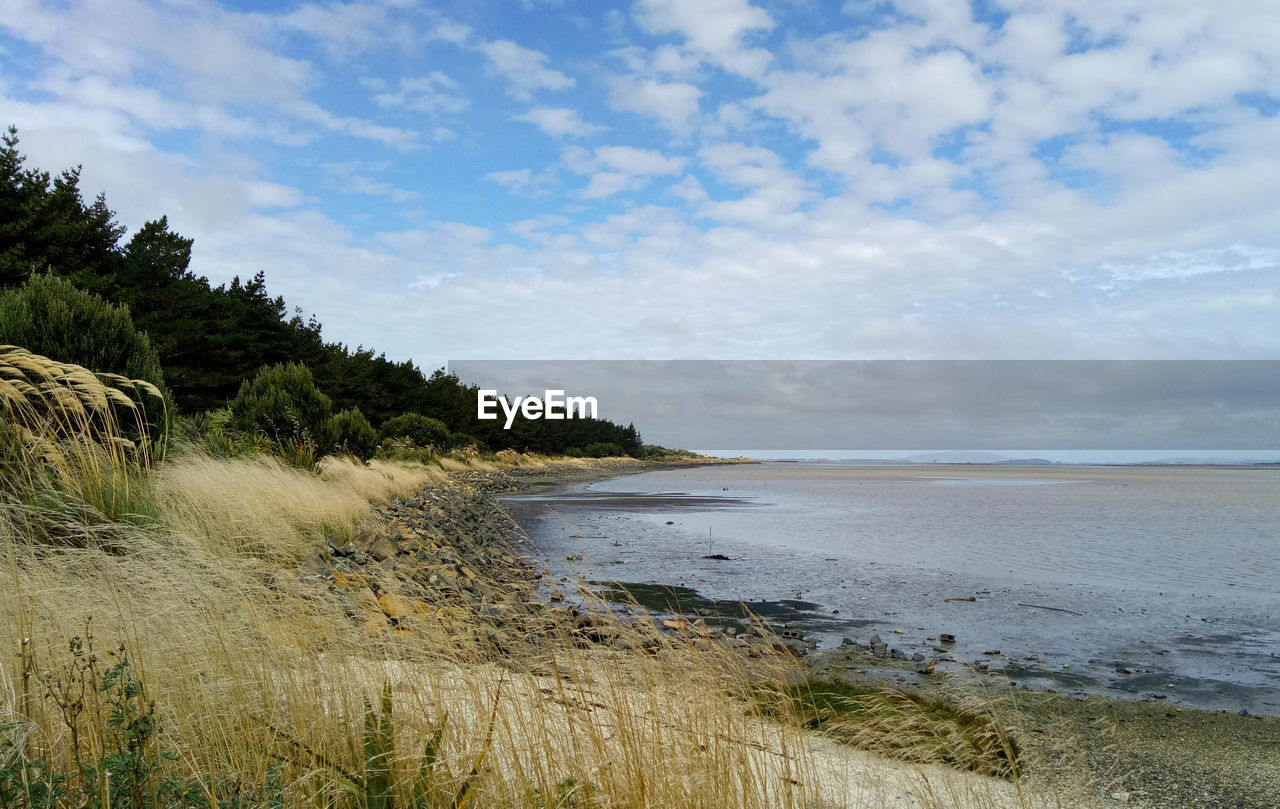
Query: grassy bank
(184, 661)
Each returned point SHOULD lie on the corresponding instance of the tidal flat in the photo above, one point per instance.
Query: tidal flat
(1148, 583)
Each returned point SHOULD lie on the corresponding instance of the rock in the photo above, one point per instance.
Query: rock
(916, 657)
(846, 642)
(878, 647)
(382, 549)
(946, 637)
(392, 606)
(314, 566)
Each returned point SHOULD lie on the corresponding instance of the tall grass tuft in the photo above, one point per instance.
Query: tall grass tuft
(74, 445)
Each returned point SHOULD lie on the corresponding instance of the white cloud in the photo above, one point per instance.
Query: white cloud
(217, 54)
(631, 160)
(432, 93)
(352, 177)
(452, 32)
(614, 169)
(559, 121)
(524, 69)
(343, 27)
(713, 29)
(607, 183)
(674, 104)
(356, 127)
(775, 192)
(689, 190)
(225, 59)
(523, 181)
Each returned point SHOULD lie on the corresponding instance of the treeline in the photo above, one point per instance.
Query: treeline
(207, 344)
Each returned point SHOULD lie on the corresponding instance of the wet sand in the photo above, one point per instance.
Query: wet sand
(1084, 630)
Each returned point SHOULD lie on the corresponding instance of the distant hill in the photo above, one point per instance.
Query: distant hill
(956, 456)
(962, 456)
(1192, 461)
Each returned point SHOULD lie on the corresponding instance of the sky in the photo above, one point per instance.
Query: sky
(669, 179)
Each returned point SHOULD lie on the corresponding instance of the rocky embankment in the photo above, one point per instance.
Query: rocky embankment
(448, 561)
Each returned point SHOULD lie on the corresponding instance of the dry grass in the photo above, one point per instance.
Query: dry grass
(261, 678)
(261, 507)
(250, 677)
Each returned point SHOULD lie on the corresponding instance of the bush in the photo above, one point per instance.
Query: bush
(50, 316)
(212, 433)
(601, 449)
(653, 452)
(462, 441)
(421, 430)
(573, 452)
(353, 434)
(283, 404)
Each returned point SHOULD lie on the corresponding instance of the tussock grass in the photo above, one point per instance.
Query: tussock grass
(74, 446)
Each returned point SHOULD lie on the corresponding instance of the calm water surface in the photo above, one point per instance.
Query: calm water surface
(1175, 572)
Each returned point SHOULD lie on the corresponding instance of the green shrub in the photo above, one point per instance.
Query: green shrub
(462, 441)
(212, 433)
(353, 434)
(421, 430)
(50, 316)
(573, 452)
(402, 449)
(601, 449)
(651, 452)
(283, 404)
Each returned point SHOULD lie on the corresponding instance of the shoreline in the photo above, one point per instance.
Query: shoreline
(1140, 752)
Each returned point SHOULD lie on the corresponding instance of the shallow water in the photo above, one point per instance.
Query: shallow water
(1174, 572)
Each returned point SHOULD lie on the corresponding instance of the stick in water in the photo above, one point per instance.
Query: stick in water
(1055, 609)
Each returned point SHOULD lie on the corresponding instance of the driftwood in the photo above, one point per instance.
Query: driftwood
(1055, 609)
